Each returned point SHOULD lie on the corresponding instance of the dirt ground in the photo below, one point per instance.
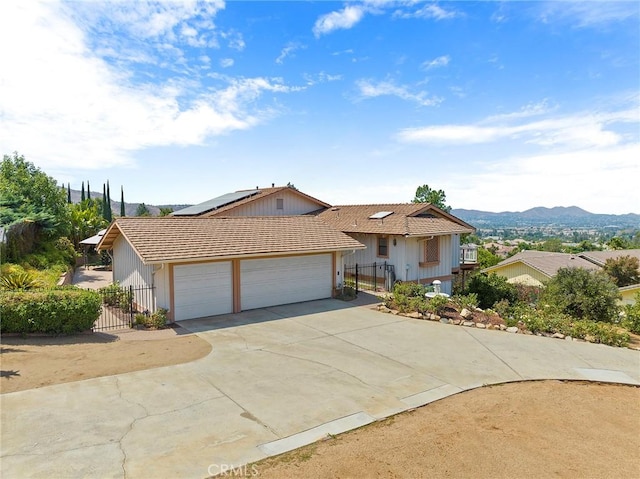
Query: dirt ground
(530, 429)
(524, 430)
(34, 362)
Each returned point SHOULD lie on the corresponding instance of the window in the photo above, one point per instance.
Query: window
(432, 251)
(280, 203)
(383, 247)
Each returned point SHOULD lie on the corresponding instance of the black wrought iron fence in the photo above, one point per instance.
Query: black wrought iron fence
(370, 277)
(120, 304)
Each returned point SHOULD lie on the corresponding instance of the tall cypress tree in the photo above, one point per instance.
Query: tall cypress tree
(88, 191)
(109, 216)
(69, 193)
(82, 197)
(122, 211)
(104, 201)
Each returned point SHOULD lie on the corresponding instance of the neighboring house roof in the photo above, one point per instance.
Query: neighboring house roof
(406, 219)
(95, 239)
(175, 239)
(545, 262)
(601, 257)
(222, 205)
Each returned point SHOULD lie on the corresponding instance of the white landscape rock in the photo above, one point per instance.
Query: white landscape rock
(465, 313)
(512, 329)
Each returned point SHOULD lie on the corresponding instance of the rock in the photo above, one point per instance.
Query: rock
(444, 320)
(503, 327)
(568, 338)
(468, 323)
(465, 313)
(383, 309)
(456, 322)
(414, 315)
(558, 335)
(512, 329)
(395, 311)
(481, 326)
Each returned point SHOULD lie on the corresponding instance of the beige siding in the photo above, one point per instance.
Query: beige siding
(521, 273)
(628, 295)
(455, 251)
(128, 268)
(293, 204)
(161, 284)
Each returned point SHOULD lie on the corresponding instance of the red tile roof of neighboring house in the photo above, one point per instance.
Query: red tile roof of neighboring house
(175, 239)
(407, 219)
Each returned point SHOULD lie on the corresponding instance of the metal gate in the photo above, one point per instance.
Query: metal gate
(120, 304)
(370, 277)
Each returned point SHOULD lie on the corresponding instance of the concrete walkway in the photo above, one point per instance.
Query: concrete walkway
(91, 278)
(275, 379)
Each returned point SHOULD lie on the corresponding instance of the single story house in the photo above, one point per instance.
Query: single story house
(534, 268)
(416, 241)
(205, 266)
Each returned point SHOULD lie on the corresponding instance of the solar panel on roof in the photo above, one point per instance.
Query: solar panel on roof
(215, 203)
(380, 214)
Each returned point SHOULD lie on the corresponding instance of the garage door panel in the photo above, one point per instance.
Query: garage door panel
(269, 282)
(202, 290)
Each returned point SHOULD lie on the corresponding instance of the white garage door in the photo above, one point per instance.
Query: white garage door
(268, 282)
(202, 290)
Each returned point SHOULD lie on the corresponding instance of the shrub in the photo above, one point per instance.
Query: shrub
(19, 281)
(491, 288)
(157, 320)
(583, 294)
(631, 319)
(468, 301)
(59, 311)
(436, 304)
(117, 296)
(406, 297)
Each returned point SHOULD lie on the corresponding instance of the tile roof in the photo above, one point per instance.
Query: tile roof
(546, 262)
(169, 239)
(601, 257)
(404, 220)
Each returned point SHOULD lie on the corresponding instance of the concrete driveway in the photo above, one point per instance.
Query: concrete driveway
(276, 379)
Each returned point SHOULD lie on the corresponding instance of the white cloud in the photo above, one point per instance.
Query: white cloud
(63, 106)
(288, 51)
(580, 130)
(368, 89)
(339, 20)
(600, 180)
(430, 11)
(441, 61)
(584, 14)
(226, 62)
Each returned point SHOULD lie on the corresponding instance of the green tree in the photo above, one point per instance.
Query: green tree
(553, 245)
(123, 213)
(438, 198)
(618, 242)
(487, 258)
(86, 220)
(491, 288)
(624, 270)
(165, 211)
(88, 190)
(583, 294)
(109, 213)
(33, 208)
(68, 193)
(82, 195)
(142, 210)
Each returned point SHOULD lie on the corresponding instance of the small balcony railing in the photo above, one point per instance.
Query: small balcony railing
(468, 254)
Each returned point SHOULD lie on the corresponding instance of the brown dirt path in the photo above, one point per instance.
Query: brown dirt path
(519, 430)
(34, 362)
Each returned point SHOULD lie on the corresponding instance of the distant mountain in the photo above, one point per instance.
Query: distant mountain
(129, 208)
(571, 216)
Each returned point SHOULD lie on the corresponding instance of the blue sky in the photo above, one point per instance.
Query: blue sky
(504, 105)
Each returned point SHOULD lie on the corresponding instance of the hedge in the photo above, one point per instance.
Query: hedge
(56, 311)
